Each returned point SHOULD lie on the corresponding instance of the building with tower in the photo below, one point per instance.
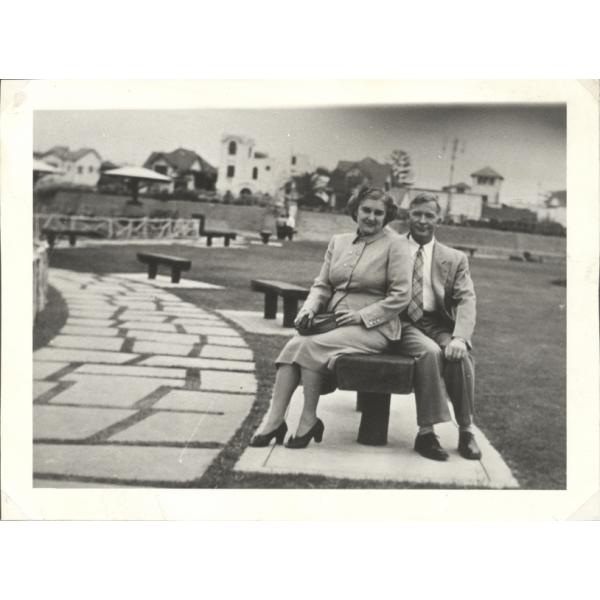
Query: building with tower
(245, 170)
(486, 182)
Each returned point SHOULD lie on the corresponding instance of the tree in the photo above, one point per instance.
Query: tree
(402, 173)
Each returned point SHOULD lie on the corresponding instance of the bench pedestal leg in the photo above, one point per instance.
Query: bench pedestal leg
(209, 240)
(270, 305)
(375, 408)
(51, 237)
(290, 310)
(72, 239)
(175, 275)
(152, 270)
(226, 241)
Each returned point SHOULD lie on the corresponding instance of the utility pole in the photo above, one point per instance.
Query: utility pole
(455, 147)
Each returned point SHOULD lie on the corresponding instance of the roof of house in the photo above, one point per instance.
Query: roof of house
(377, 173)
(487, 172)
(180, 159)
(64, 153)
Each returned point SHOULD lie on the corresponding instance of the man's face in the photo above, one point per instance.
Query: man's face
(423, 220)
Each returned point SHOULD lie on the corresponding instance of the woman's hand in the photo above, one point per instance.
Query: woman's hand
(347, 317)
(304, 318)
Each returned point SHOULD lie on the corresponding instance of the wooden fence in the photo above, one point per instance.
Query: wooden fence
(120, 227)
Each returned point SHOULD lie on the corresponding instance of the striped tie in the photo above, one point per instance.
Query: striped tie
(415, 306)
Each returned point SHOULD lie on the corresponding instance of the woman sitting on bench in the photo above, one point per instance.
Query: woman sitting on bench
(366, 280)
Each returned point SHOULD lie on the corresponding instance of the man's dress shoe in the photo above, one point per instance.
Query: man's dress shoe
(467, 446)
(428, 445)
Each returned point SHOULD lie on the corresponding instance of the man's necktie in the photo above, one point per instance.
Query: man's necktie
(415, 306)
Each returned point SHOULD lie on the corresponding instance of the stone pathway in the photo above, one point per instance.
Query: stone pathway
(142, 388)
(138, 386)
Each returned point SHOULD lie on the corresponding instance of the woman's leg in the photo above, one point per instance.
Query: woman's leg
(311, 382)
(287, 379)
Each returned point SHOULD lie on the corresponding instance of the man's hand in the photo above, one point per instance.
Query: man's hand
(347, 317)
(304, 318)
(456, 349)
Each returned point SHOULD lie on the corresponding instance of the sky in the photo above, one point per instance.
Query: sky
(526, 144)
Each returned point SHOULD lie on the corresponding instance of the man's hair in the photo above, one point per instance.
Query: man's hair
(372, 193)
(424, 199)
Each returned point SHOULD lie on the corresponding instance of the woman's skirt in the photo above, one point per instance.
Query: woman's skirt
(319, 352)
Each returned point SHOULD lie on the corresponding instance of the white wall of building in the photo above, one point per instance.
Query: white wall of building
(557, 214)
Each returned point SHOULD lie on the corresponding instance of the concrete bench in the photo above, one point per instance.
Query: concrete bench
(153, 260)
(290, 293)
(265, 235)
(375, 377)
(209, 234)
(72, 234)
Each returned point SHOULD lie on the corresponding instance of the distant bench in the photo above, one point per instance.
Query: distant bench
(209, 234)
(153, 260)
(290, 293)
(375, 377)
(467, 249)
(72, 234)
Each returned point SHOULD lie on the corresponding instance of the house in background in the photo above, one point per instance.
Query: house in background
(188, 170)
(555, 208)
(80, 167)
(348, 175)
(487, 183)
(245, 170)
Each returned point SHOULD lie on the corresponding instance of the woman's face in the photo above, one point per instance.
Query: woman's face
(370, 216)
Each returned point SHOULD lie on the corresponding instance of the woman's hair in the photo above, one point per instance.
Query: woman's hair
(372, 193)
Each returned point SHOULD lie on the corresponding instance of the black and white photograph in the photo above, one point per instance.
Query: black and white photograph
(362, 293)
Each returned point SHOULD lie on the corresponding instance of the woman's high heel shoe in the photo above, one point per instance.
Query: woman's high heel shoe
(264, 439)
(316, 432)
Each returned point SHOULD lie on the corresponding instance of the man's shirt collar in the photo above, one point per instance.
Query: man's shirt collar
(414, 244)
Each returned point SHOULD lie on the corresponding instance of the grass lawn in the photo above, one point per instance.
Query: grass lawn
(519, 349)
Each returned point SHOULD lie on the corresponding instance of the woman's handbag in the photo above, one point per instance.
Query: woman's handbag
(320, 324)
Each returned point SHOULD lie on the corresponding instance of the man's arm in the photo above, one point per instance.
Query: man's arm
(463, 299)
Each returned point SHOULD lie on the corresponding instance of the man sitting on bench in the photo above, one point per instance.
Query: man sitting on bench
(436, 330)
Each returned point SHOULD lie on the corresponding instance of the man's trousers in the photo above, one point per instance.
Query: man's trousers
(437, 380)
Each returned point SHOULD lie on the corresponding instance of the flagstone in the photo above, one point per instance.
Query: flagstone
(198, 363)
(115, 391)
(41, 370)
(161, 348)
(182, 428)
(41, 387)
(149, 317)
(219, 340)
(76, 355)
(155, 336)
(73, 423)
(193, 401)
(139, 305)
(227, 382)
(122, 462)
(210, 351)
(164, 282)
(254, 322)
(90, 322)
(92, 314)
(98, 331)
(207, 330)
(201, 319)
(89, 304)
(89, 343)
(133, 370)
(149, 326)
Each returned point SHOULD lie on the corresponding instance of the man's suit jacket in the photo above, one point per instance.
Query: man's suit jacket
(453, 290)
